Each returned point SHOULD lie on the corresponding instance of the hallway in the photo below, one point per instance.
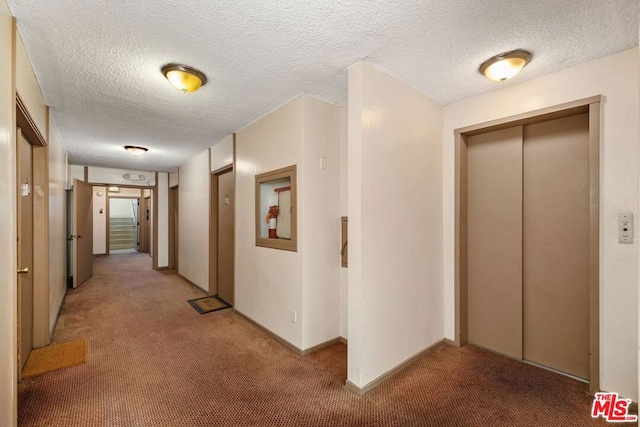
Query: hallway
(154, 361)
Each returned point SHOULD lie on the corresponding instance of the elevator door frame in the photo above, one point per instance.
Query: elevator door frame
(588, 105)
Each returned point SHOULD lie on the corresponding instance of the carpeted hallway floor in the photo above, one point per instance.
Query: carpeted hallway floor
(154, 361)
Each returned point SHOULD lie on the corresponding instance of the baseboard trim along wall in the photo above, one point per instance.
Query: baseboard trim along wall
(384, 377)
(288, 344)
(322, 345)
(191, 283)
(277, 337)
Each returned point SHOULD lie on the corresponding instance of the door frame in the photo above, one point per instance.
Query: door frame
(589, 105)
(41, 334)
(173, 233)
(213, 222)
(108, 212)
(213, 227)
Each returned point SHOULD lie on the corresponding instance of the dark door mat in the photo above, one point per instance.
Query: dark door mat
(208, 304)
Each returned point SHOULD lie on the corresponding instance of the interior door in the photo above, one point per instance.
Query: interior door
(556, 244)
(494, 240)
(173, 232)
(226, 243)
(143, 225)
(82, 232)
(25, 248)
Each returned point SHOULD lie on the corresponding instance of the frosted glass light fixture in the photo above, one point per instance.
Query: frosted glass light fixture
(506, 65)
(135, 151)
(184, 78)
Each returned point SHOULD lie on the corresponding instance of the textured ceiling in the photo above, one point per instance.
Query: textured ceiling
(98, 62)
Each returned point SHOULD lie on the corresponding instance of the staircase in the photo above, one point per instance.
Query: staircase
(122, 233)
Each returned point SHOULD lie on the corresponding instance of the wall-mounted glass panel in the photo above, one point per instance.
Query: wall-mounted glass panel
(276, 225)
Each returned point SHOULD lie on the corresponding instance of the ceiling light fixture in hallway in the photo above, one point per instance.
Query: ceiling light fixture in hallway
(506, 65)
(136, 151)
(184, 78)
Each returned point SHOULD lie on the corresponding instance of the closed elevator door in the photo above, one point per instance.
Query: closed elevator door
(528, 242)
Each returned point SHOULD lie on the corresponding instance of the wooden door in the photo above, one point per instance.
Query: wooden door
(173, 228)
(143, 225)
(226, 242)
(495, 240)
(556, 244)
(82, 232)
(25, 248)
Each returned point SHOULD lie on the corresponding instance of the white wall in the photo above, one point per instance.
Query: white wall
(395, 223)
(222, 154)
(268, 281)
(616, 78)
(163, 219)
(193, 244)
(119, 208)
(8, 296)
(57, 225)
(99, 220)
(111, 176)
(320, 240)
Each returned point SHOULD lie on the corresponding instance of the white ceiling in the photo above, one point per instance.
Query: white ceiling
(98, 63)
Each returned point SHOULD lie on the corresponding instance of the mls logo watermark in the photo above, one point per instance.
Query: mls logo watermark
(612, 408)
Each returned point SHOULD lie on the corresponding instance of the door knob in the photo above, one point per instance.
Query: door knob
(24, 270)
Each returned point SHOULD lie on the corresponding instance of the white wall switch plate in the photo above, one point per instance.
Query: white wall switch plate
(625, 228)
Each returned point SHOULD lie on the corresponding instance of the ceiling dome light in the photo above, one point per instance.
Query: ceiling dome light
(506, 65)
(184, 78)
(135, 151)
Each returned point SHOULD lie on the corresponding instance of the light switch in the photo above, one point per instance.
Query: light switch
(323, 162)
(625, 228)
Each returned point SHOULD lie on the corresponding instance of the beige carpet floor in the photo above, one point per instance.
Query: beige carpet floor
(174, 367)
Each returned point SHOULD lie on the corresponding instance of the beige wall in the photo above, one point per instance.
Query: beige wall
(28, 88)
(395, 224)
(193, 245)
(99, 220)
(75, 172)
(126, 192)
(163, 219)
(8, 297)
(616, 78)
(57, 225)
(222, 154)
(344, 171)
(319, 240)
(268, 281)
(173, 178)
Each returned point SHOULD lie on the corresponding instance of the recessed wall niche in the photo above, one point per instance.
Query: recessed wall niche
(276, 209)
